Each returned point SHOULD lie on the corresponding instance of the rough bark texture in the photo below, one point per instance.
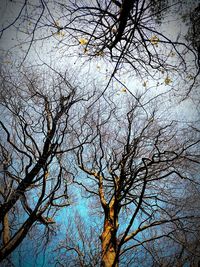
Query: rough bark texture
(6, 230)
(109, 239)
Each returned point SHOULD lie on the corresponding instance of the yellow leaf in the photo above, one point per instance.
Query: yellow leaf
(172, 54)
(123, 90)
(144, 84)
(167, 80)
(99, 53)
(190, 77)
(85, 50)
(114, 30)
(83, 41)
(46, 174)
(57, 23)
(154, 40)
(60, 33)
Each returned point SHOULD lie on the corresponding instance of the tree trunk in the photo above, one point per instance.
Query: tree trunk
(109, 240)
(6, 230)
(13, 242)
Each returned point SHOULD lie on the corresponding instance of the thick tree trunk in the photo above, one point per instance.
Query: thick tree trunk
(109, 240)
(6, 230)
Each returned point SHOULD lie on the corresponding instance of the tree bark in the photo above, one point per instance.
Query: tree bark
(109, 240)
(6, 230)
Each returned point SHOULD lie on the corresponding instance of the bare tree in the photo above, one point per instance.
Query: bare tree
(39, 115)
(81, 247)
(130, 34)
(138, 166)
(179, 243)
(137, 163)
